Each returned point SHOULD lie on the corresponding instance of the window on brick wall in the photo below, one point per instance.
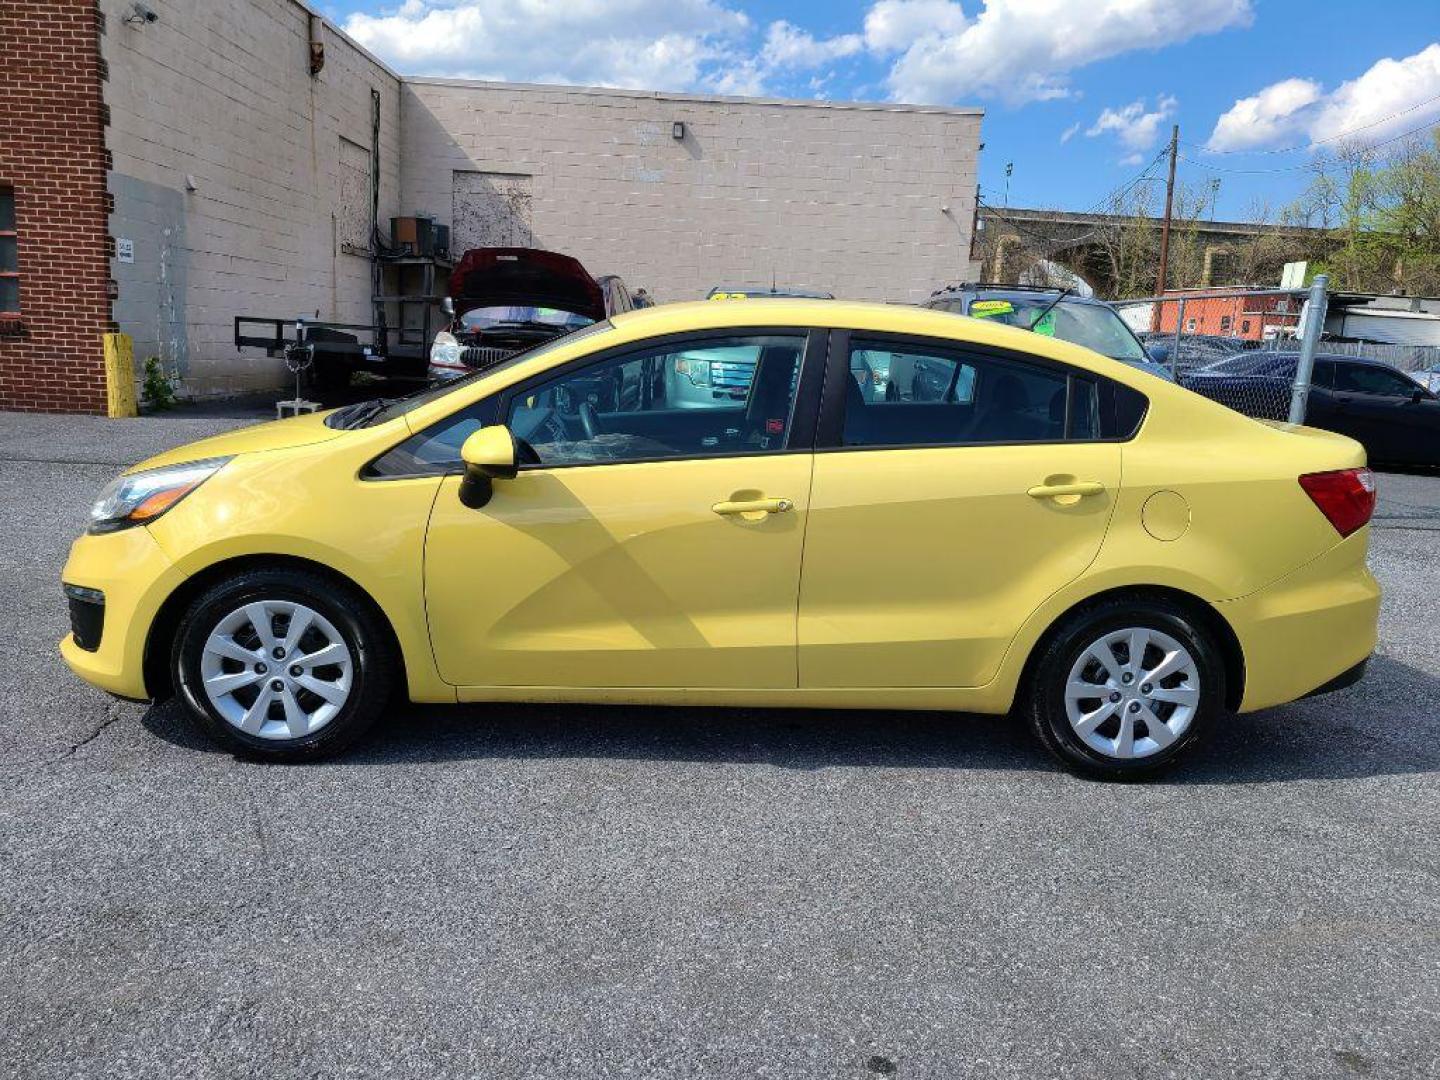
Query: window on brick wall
(9, 256)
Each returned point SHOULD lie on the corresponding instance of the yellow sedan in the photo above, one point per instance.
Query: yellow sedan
(854, 505)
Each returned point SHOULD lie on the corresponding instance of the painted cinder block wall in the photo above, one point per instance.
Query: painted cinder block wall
(841, 196)
(227, 175)
(52, 154)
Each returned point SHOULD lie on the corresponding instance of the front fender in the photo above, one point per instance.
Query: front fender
(319, 510)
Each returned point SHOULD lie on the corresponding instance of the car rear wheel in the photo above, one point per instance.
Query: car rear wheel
(283, 664)
(1123, 689)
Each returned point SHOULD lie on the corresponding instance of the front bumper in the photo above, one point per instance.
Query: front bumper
(135, 577)
(1310, 629)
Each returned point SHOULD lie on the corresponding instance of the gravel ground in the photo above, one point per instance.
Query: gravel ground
(590, 892)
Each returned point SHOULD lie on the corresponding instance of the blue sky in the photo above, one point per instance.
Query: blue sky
(1079, 94)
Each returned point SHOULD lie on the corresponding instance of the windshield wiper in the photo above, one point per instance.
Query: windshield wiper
(1049, 307)
(361, 414)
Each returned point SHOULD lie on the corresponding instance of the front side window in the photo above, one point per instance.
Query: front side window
(698, 398)
(903, 396)
(9, 255)
(1364, 379)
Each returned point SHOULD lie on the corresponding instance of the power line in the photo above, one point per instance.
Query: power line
(1332, 138)
(1307, 166)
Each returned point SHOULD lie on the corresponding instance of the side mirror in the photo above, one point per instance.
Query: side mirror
(448, 307)
(489, 455)
(1417, 396)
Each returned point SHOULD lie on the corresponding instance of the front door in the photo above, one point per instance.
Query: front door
(654, 537)
(963, 489)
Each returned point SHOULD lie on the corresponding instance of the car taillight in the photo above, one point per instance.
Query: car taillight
(1346, 497)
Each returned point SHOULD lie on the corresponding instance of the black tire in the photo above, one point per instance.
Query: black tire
(375, 667)
(1043, 698)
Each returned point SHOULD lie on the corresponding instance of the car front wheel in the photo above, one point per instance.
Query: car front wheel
(283, 664)
(1123, 689)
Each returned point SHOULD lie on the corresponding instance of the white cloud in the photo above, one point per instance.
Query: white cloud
(893, 26)
(1389, 87)
(1273, 114)
(640, 44)
(1025, 50)
(936, 50)
(1136, 128)
(636, 44)
(787, 46)
(1392, 97)
(1070, 132)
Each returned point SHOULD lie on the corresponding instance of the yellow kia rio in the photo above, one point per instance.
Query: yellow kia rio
(765, 502)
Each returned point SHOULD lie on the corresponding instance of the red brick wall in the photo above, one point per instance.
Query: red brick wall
(52, 153)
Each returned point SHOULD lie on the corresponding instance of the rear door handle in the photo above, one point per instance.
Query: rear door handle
(1080, 487)
(754, 506)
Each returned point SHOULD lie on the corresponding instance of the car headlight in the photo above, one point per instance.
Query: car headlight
(445, 351)
(140, 498)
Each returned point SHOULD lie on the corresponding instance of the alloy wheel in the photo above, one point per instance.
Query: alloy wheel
(276, 669)
(1132, 693)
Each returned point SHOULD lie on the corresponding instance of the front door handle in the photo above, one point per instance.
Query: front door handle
(754, 506)
(1080, 487)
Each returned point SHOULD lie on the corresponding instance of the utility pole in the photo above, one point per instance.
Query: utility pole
(1009, 168)
(1169, 207)
(975, 224)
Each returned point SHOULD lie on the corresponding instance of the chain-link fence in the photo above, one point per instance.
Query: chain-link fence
(1237, 347)
(1244, 348)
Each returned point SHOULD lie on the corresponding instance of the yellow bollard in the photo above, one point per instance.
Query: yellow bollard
(120, 376)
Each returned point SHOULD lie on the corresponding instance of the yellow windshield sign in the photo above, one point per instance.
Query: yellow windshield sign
(729, 296)
(988, 309)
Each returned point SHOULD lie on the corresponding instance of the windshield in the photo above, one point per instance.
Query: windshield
(760, 292)
(401, 406)
(1095, 326)
(1252, 363)
(483, 318)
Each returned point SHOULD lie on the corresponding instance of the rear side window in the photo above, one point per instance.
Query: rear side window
(903, 396)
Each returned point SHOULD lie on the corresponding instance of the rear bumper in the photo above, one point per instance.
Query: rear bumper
(1342, 681)
(1310, 630)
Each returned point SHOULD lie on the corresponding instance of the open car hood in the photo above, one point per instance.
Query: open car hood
(524, 277)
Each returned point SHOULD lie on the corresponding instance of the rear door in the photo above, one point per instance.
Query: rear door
(944, 510)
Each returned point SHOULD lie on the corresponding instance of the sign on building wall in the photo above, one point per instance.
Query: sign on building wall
(491, 210)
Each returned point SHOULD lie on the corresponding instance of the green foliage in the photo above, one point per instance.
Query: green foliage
(156, 392)
(1383, 213)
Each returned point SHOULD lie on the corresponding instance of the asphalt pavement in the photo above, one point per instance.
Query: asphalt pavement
(546, 891)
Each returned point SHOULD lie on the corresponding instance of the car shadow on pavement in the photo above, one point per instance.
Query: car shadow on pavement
(1346, 735)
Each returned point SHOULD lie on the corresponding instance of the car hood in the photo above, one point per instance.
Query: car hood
(524, 277)
(276, 435)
